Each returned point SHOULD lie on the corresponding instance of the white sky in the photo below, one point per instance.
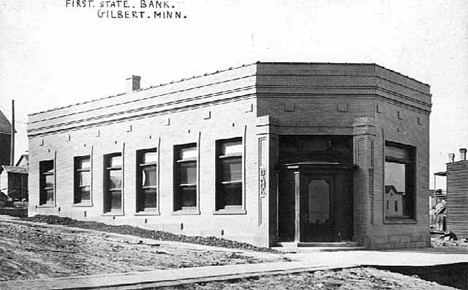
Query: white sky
(54, 56)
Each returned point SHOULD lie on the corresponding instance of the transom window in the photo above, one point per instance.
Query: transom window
(185, 197)
(147, 178)
(82, 193)
(229, 174)
(47, 182)
(113, 183)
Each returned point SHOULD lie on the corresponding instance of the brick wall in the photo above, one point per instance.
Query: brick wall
(195, 111)
(259, 103)
(374, 105)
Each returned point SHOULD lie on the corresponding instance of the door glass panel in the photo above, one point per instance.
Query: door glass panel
(319, 202)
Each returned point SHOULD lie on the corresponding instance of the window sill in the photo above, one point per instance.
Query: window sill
(186, 212)
(147, 213)
(400, 220)
(46, 206)
(83, 204)
(231, 211)
(113, 214)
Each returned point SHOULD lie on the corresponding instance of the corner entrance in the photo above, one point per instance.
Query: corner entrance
(323, 202)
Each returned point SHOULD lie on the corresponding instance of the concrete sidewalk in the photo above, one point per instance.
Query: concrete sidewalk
(158, 278)
(303, 262)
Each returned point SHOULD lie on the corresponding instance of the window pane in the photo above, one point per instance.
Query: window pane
(231, 148)
(116, 200)
(85, 193)
(188, 153)
(46, 166)
(85, 178)
(49, 196)
(188, 173)
(150, 199)
(395, 176)
(148, 176)
(147, 199)
(115, 161)
(115, 179)
(395, 188)
(232, 194)
(49, 180)
(149, 157)
(85, 163)
(188, 196)
(396, 152)
(232, 169)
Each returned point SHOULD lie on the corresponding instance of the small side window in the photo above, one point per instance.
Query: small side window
(47, 183)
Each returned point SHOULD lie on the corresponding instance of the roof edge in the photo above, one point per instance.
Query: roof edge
(224, 70)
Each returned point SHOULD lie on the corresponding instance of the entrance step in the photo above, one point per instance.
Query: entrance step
(317, 246)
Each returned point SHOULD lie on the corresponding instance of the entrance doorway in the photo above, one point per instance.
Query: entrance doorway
(323, 203)
(317, 214)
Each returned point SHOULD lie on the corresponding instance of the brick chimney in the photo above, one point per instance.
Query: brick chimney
(133, 83)
(451, 157)
(462, 154)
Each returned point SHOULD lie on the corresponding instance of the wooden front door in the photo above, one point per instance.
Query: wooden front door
(326, 211)
(317, 210)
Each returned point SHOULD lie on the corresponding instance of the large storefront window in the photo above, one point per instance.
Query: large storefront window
(399, 193)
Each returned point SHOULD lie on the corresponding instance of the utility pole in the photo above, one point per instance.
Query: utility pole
(12, 149)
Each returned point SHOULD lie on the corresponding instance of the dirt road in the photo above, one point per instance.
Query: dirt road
(36, 251)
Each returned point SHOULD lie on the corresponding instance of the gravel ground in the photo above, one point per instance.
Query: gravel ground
(350, 279)
(30, 251)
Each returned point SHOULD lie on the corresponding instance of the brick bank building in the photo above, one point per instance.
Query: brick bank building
(265, 153)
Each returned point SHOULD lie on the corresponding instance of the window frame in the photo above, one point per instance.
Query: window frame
(45, 170)
(178, 208)
(77, 169)
(107, 209)
(221, 207)
(140, 188)
(409, 206)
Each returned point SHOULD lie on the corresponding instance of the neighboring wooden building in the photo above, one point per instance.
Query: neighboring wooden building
(5, 139)
(393, 201)
(457, 196)
(438, 208)
(14, 179)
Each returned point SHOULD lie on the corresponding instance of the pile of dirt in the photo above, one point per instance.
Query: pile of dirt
(351, 279)
(144, 233)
